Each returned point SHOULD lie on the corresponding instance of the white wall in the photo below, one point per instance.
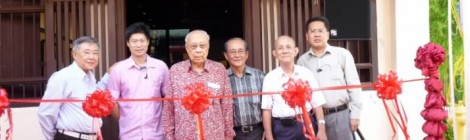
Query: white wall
(466, 30)
(412, 31)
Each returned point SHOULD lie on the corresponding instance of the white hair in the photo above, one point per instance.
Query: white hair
(196, 31)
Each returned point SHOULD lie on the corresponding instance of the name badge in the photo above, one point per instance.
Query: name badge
(213, 85)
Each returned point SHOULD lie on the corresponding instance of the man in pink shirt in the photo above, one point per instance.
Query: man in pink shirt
(179, 124)
(139, 76)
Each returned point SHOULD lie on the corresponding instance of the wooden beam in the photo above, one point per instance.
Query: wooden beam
(21, 9)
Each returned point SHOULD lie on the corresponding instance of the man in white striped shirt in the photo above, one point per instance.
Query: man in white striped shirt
(244, 79)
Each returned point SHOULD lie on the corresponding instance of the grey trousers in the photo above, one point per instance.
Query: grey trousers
(338, 126)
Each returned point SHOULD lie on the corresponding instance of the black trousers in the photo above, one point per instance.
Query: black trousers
(294, 132)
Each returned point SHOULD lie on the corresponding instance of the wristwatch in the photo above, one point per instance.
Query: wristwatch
(321, 122)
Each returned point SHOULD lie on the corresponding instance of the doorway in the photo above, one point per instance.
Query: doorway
(170, 21)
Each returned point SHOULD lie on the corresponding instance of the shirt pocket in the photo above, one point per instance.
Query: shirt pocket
(155, 88)
(255, 101)
(335, 72)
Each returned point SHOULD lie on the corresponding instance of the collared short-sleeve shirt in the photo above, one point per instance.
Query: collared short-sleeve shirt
(70, 82)
(247, 110)
(179, 123)
(139, 120)
(335, 67)
(273, 83)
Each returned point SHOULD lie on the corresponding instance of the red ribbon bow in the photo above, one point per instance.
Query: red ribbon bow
(197, 100)
(98, 104)
(296, 92)
(388, 86)
(5, 104)
(428, 58)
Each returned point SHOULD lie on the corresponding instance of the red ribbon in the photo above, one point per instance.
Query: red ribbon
(197, 101)
(428, 58)
(98, 104)
(5, 105)
(202, 103)
(296, 93)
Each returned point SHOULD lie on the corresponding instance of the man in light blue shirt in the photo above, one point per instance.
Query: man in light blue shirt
(67, 121)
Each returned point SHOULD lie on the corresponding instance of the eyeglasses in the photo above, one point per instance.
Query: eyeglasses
(234, 52)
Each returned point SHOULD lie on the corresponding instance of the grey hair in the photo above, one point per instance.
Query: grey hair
(235, 39)
(84, 39)
(195, 31)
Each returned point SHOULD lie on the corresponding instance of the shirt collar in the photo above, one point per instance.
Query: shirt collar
(327, 51)
(79, 71)
(295, 74)
(247, 70)
(207, 65)
(130, 63)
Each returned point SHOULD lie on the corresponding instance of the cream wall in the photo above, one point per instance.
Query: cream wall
(26, 124)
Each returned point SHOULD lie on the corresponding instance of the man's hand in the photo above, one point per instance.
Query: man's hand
(354, 124)
(321, 135)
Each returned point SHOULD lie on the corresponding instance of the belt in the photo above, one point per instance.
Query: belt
(74, 134)
(327, 111)
(311, 113)
(248, 128)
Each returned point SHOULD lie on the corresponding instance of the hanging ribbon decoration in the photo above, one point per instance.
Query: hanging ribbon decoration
(296, 93)
(428, 59)
(5, 105)
(388, 87)
(98, 104)
(197, 101)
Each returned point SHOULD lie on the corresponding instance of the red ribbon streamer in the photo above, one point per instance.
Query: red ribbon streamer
(296, 93)
(197, 101)
(199, 127)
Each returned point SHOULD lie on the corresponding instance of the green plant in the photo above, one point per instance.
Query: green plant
(439, 34)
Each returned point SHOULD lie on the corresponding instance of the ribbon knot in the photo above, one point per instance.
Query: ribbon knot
(296, 92)
(197, 100)
(4, 102)
(5, 105)
(98, 104)
(388, 86)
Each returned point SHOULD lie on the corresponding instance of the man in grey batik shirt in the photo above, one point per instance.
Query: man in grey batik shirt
(244, 79)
